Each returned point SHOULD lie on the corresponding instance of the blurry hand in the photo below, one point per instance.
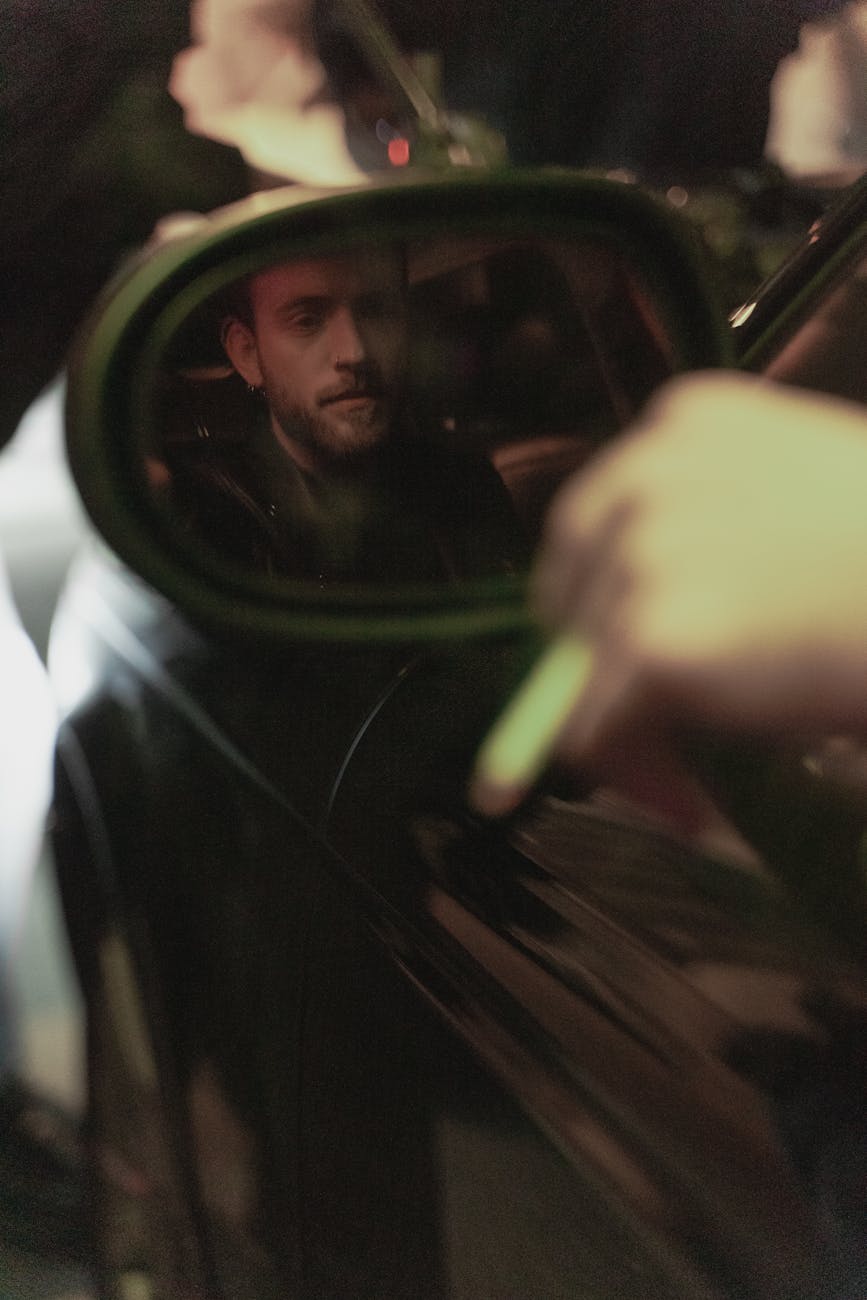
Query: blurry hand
(252, 79)
(713, 563)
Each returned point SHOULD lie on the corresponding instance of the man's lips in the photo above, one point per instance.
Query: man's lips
(352, 397)
(352, 400)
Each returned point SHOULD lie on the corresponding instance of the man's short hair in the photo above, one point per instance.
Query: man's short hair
(237, 300)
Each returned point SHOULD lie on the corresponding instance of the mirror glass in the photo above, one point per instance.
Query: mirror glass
(393, 413)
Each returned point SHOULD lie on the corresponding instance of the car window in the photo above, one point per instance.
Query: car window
(827, 350)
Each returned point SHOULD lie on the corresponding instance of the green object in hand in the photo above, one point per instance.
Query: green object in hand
(517, 747)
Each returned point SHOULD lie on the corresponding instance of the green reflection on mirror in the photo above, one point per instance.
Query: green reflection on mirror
(390, 413)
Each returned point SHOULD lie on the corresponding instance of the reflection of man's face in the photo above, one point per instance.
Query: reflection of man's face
(327, 346)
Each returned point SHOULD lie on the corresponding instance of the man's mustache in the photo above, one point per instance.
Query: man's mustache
(364, 383)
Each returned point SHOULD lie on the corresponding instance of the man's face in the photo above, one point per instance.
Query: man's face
(328, 347)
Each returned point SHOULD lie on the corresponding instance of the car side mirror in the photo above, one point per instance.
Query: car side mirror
(343, 414)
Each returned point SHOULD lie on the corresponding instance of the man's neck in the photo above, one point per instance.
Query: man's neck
(366, 465)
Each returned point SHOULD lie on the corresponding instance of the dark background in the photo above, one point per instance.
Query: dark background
(94, 150)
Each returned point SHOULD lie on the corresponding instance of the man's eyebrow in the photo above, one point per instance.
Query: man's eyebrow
(305, 302)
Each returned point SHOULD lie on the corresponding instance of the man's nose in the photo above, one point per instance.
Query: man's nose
(347, 340)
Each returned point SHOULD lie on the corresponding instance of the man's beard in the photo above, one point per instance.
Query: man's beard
(340, 440)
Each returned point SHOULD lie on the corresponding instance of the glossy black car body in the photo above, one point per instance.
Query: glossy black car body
(347, 1040)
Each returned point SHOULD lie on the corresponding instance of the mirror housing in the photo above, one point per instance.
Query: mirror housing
(155, 306)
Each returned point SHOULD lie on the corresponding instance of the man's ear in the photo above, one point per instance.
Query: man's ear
(240, 345)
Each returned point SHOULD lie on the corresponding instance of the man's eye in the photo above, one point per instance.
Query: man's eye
(305, 322)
